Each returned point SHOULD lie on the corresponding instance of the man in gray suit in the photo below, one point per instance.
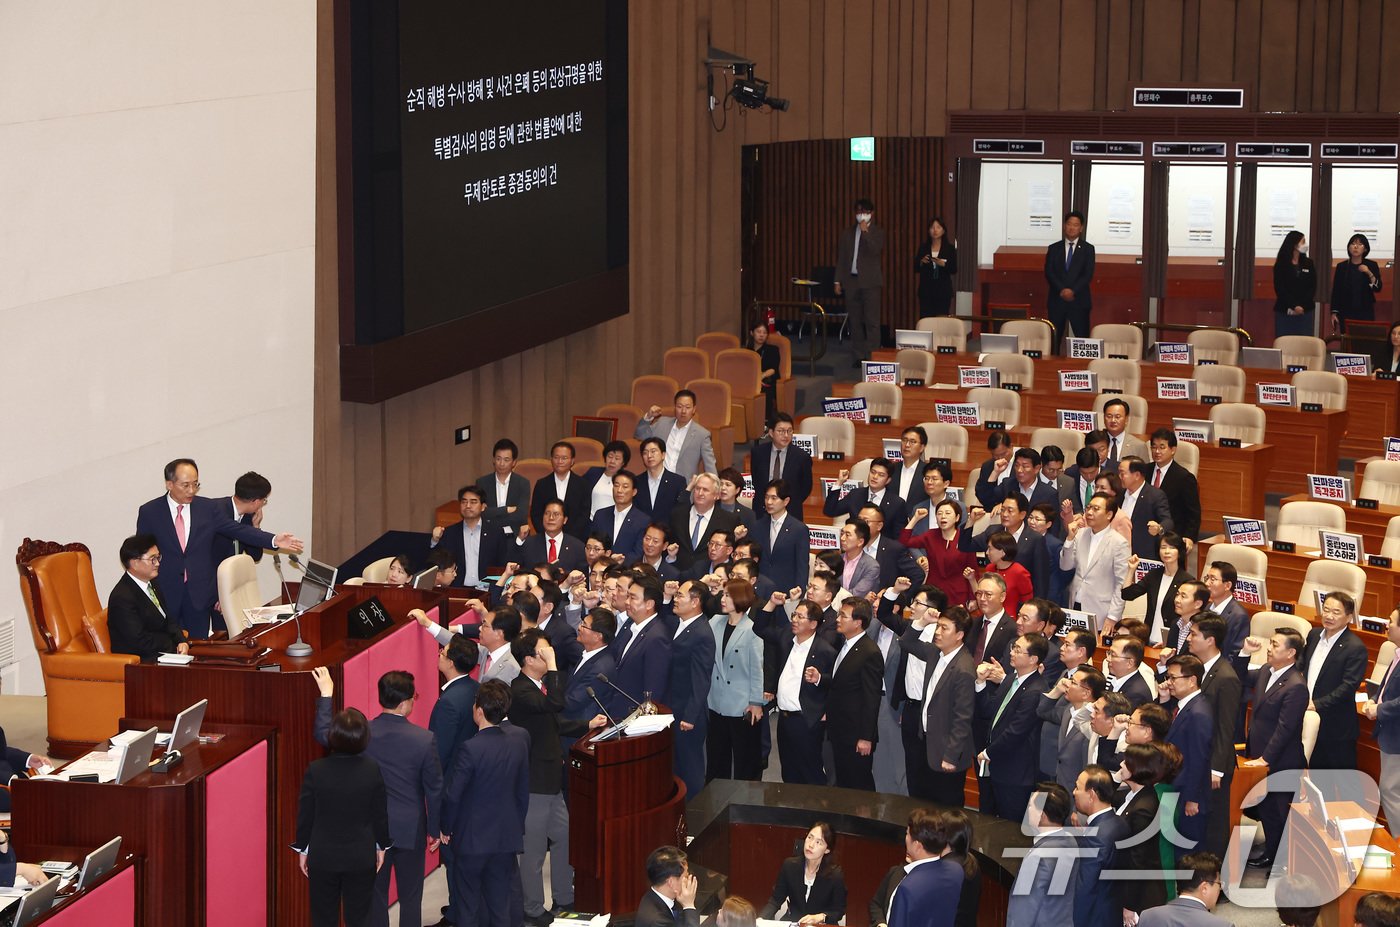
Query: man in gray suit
(1071, 703)
(859, 277)
(407, 756)
(1199, 896)
(1099, 557)
(948, 704)
(688, 447)
(499, 627)
(860, 574)
(1049, 875)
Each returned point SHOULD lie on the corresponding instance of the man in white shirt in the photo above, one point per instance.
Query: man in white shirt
(908, 478)
(688, 445)
(801, 705)
(505, 492)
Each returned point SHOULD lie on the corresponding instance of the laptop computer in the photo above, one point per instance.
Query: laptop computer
(1264, 358)
(317, 584)
(427, 579)
(1000, 344)
(98, 863)
(187, 724)
(33, 904)
(137, 757)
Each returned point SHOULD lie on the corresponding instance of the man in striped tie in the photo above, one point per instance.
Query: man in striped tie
(137, 618)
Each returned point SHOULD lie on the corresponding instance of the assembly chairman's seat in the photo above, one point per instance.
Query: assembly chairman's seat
(84, 680)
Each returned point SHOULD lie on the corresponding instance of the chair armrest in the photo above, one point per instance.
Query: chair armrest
(92, 667)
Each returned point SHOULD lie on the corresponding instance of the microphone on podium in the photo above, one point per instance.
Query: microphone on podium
(616, 688)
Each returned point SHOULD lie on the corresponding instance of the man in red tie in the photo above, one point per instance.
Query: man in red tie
(551, 545)
(1179, 484)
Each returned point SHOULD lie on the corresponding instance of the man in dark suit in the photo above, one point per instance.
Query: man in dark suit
(1087, 463)
(1096, 900)
(658, 489)
(250, 495)
(185, 526)
(1076, 648)
(476, 548)
(642, 649)
(1384, 709)
(596, 630)
(1334, 665)
(783, 542)
(859, 277)
(940, 713)
(931, 883)
(907, 473)
(1025, 481)
(692, 666)
(1011, 757)
(623, 523)
(655, 540)
(1219, 579)
(1124, 657)
(567, 487)
(1043, 892)
(1071, 700)
(719, 550)
(1276, 727)
(1222, 689)
(1178, 483)
(505, 493)
(536, 706)
(670, 902)
(1192, 732)
(692, 525)
(1031, 550)
(484, 812)
(1069, 269)
(853, 697)
(792, 465)
(893, 558)
(452, 721)
(137, 619)
(1201, 891)
(995, 468)
(1151, 514)
(553, 543)
(801, 704)
(877, 493)
(408, 759)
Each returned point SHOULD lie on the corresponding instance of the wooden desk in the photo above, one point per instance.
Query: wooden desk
(286, 698)
(1314, 853)
(1371, 524)
(204, 829)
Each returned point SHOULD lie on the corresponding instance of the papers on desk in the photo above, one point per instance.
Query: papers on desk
(101, 763)
(267, 614)
(648, 724)
(1351, 824)
(175, 659)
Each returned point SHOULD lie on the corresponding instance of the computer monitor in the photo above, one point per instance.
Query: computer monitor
(1263, 358)
(426, 579)
(1000, 344)
(317, 584)
(36, 902)
(98, 863)
(187, 724)
(137, 757)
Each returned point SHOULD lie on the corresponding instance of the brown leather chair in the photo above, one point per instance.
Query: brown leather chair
(85, 681)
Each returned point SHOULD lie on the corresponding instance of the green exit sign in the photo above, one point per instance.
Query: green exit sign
(863, 149)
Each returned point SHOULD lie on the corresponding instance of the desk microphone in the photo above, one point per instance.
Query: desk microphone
(300, 648)
(593, 695)
(604, 679)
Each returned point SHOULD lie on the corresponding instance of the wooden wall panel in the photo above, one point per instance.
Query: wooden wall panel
(888, 68)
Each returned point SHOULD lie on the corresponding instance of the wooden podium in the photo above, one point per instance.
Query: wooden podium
(624, 802)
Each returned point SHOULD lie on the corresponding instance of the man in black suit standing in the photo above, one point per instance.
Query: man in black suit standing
(859, 277)
(484, 811)
(136, 617)
(907, 473)
(779, 459)
(692, 666)
(877, 492)
(553, 543)
(1125, 655)
(942, 712)
(452, 721)
(250, 495)
(1334, 665)
(1222, 689)
(853, 697)
(670, 902)
(1193, 733)
(894, 559)
(783, 539)
(801, 704)
(1096, 901)
(536, 704)
(596, 630)
(1180, 485)
(1011, 757)
(474, 545)
(1146, 506)
(692, 525)
(563, 484)
(1069, 269)
(658, 489)
(1219, 579)
(1025, 481)
(408, 759)
(1276, 727)
(505, 492)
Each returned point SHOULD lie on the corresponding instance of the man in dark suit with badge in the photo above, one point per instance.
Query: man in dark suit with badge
(136, 617)
(1069, 269)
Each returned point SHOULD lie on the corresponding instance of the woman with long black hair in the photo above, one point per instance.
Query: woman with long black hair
(1295, 287)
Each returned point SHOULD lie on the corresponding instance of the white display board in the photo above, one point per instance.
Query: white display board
(1020, 204)
(1196, 210)
(1115, 207)
(1363, 200)
(1284, 203)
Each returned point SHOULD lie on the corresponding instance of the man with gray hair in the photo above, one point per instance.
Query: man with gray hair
(692, 525)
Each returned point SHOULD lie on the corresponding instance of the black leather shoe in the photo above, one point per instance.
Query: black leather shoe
(1263, 862)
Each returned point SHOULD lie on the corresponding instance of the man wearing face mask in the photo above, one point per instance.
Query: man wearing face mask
(859, 278)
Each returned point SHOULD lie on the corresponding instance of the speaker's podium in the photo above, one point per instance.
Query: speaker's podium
(624, 802)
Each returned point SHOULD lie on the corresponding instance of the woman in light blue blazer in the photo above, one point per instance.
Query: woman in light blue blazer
(732, 746)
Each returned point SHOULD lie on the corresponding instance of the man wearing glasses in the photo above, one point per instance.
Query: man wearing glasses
(137, 618)
(1199, 895)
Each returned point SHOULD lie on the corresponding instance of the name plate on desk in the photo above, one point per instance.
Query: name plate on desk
(1032, 354)
(1296, 368)
(1079, 381)
(1384, 375)
(1175, 352)
(1176, 388)
(947, 349)
(853, 408)
(914, 381)
(1211, 400)
(879, 419)
(1014, 387)
(1376, 560)
(1276, 394)
(1084, 348)
(1372, 504)
(1329, 488)
(972, 377)
(1374, 625)
(1075, 420)
(1341, 545)
(367, 619)
(1351, 365)
(966, 414)
(833, 455)
(1230, 442)
(1312, 407)
(1283, 547)
(1249, 532)
(994, 425)
(1249, 590)
(879, 372)
(1283, 608)
(1207, 362)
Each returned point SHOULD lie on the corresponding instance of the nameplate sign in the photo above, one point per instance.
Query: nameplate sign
(1075, 420)
(958, 413)
(1084, 348)
(854, 408)
(1079, 381)
(748, 491)
(1176, 388)
(1340, 545)
(879, 372)
(367, 619)
(1392, 448)
(1250, 532)
(1351, 365)
(1276, 394)
(1329, 488)
(1249, 590)
(1175, 352)
(842, 489)
(1145, 567)
(972, 377)
(1080, 621)
(823, 537)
